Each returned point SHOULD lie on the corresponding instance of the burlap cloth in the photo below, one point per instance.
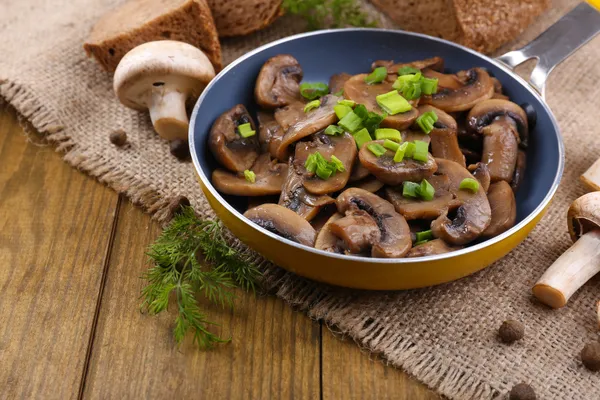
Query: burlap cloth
(445, 336)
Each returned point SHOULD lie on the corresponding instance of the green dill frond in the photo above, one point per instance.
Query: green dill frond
(321, 14)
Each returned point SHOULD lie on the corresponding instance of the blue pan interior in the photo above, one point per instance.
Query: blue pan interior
(329, 52)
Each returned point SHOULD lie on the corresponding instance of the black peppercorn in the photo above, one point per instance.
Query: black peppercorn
(180, 149)
(118, 137)
(522, 391)
(511, 331)
(590, 356)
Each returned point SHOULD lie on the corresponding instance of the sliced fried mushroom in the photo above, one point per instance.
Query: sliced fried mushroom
(269, 133)
(519, 175)
(358, 90)
(358, 171)
(434, 63)
(231, 150)
(326, 240)
(370, 184)
(278, 82)
(412, 135)
(504, 209)
(295, 197)
(268, 181)
(394, 173)
(489, 111)
(395, 240)
(431, 248)
(283, 222)
(477, 86)
(446, 81)
(444, 140)
(337, 81)
(290, 114)
(481, 172)
(471, 218)
(411, 209)
(313, 122)
(342, 146)
(358, 230)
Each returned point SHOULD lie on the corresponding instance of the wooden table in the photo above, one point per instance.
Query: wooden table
(71, 254)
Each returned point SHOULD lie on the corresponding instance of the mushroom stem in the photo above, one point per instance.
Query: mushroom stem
(168, 114)
(570, 271)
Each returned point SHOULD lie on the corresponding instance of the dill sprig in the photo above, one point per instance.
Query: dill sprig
(321, 14)
(179, 273)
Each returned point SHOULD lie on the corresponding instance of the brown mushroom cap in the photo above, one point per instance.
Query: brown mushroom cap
(431, 248)
(269, 132)
(283, 222)
(269, 179)
(358, 230)
(584, 215)
(278, 82)
(504, 209)
(229, 148)
(489, 111)
(342, 146)
(477, 86)
(358, 90)
(395, 240)
(394, 173)
(444, 140)
(471, 218)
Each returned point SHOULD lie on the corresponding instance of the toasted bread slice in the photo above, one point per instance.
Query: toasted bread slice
(240, 17)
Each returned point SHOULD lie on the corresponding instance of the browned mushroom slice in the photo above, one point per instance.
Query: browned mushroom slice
(471, 218)
(412, 209)
(326, 240)
(283, 222)
(446, 81)
(434, 63)
(269, 133)
(358, 230)
(395, 240)
(471, 156)
(489, 111)
(343, 147)
(394, 173)
(358, 171)
(337, 81)
(278, 82)
(295, 197)
(519, 170)
(444, 140)
(431, 248)
(256, 201)
(269, 179)
(231, 150)
(481, 172)
(358, 90)
(477, 86)
(290, 114)
(313, 122)
(412, 135)
(504, 209)
(370, 184)
(500, 149)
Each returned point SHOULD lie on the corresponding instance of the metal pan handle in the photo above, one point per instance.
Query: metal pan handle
(558, 42)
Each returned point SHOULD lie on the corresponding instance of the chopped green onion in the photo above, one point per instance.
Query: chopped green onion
(407, 70)
(404, 80)
(313, 91)
(351, 122)
(337, 163)
(245, 130)
(411, 91)
(400, 152)
(377, 76)
(250, 176)
(421, 152)
(469, 184)
(333, 130)
(410, 150)
(388, 133)
(376, 149)
(361, 111)
(323, 171)
(429, 85)
(341, 110)
(426, 121)
(392, 103)
(388, 144)
(312, 105)
(426, 191)
(410, 189)
(373, 120)
(349, 103)
(312, 161)
(424, 236)
(361, 137)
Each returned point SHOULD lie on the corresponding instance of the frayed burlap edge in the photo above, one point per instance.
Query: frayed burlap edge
(297, 292)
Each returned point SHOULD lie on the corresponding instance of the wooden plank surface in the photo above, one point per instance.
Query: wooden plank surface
(274, 352)
(55, 225)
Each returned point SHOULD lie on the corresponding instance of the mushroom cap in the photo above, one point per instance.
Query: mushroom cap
(278, 82)
(477, 87)
(487, 112)
(269, 179)
(284, 222)
(163, 63)
(584, 215)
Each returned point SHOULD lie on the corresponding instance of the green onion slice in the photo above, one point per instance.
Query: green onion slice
(410, 150)
(426, 191)
(250, 176)
(351, 122)
(410, 189)
(312, 91)
(469, 184)
(391, 145)
(245, 130)
(429, 86)
(426, 121)
(376, 149)
(392, 103)
(407, 70)
(377, 76)
(400, 152)
(333, 130)
(373, 120)
(312, 105)
(361, 137)
(388, 133)
(424, 236)
(421, 152)
(349, 103)
(323, 171)
(337, 163)
(341, 110)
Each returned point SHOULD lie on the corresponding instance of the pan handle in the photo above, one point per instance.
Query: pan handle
(558, 42)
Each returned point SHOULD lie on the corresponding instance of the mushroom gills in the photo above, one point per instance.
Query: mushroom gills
(504, 209)
(278, 82)
(283, 222)
(269, 178)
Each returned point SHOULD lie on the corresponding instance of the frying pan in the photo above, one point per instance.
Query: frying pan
(324, 53)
